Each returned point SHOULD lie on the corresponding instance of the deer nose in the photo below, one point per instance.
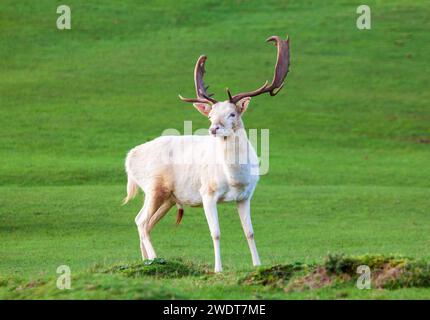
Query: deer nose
(213, 130)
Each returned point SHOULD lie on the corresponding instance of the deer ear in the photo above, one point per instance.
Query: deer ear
(204, 108)
(242, 105)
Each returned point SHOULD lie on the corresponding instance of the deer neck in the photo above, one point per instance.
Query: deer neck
(234, 152)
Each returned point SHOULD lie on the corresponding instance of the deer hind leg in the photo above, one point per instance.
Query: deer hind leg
(155, 207)
(139, 222)
(160, 213)
(149, 225)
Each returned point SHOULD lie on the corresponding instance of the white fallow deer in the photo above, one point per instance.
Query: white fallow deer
(202, 170)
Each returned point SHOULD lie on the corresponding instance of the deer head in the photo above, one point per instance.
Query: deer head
(225, 116)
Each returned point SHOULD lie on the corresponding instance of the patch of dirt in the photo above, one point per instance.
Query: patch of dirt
(387, 275)
(317, 279)
(424, 140)
(30, 284)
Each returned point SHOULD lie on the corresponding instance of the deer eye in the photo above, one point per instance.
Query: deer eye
(232, 115)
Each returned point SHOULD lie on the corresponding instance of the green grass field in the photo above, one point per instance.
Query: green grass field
(349, 140)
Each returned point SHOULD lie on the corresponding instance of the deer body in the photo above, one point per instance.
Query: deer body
(187, 178)
(202, 170)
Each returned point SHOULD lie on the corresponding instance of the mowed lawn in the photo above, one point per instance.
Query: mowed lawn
(349, 139)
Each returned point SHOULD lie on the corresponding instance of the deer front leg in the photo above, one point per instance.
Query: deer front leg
(210, 208)
(244, 208)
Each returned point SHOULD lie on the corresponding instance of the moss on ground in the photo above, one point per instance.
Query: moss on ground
(274, 276)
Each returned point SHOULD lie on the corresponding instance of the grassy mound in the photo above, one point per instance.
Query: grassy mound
(121, 281)
(387, 272)
(157, 268)
(87, 286)
(273, 276)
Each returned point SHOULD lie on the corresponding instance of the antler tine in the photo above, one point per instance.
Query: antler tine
(282, 63)
(192, 99)
(281, 71)
(201, 90)
(229, 94)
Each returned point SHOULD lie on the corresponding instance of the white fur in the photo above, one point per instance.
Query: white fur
(195, 171)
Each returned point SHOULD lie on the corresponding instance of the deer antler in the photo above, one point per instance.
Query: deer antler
(201, 90)
(281, 71)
